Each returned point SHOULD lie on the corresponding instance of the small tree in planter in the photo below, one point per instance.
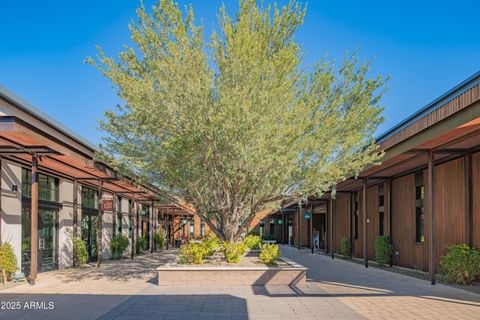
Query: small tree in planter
(8, 261)
(270, 254)
(345, 247)
(233, 251)
(461, 264)
(142, 244)
(192, 253)
(253, 242)
(383, 249)
(118, 245)
(81, 254)
(159, 239)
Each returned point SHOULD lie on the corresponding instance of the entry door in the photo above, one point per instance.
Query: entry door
(47, 239)
(47, 242)
(89, 235)
(290, 232)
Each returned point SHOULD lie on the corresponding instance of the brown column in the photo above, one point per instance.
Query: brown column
(134, 227)
(283, 228)
(312, 246)
(100, 226)
(114, 214)
(431, 217)
(75, 217)
(350, 227)
(34, 220)
(150, 221)
(389, 207)
(468, 199)
(327, 232)
(299, 228)
(0, 200)
(365, 223)
(332, 250)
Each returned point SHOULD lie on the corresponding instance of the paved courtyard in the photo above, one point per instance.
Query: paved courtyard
(336, 290)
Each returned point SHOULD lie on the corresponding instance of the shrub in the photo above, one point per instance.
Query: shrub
(142, 244)
(209, 245)
(233, 251)
(253, 242)
(81, 254)
(159, 239)
(192, 253)
(8, 261)
(345, 246)
(270, 254)
(461, 264)
(383, 249)
(118, 245)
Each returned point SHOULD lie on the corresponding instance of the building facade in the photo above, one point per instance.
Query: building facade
(424, 194)
(52, 189)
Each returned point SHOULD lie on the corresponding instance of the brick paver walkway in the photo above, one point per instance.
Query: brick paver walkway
(336, 290)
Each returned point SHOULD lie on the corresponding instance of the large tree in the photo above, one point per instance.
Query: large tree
(236, 123)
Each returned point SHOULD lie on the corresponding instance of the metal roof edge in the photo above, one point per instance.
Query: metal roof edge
(451, 94)
(43, 117)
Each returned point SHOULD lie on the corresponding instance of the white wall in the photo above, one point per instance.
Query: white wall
(11, 213)
(65, 224)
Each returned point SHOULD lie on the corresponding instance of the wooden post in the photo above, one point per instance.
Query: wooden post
(365, 222)
(431, 216)
(299, 227)
(332, 250)
(150, 221)
(389, 208)
(75, 218)
(0, 200)
(350, 223)
(100, 225)
(327, 232)
(133, 225)
(34, 220)
(114, 214)
(283, 228)
(312, 245)
(468, 199)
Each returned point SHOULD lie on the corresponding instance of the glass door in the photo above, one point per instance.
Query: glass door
(47, 239)
(89, 235)
(47, 242)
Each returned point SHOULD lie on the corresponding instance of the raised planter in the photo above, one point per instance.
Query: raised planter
(289, 273)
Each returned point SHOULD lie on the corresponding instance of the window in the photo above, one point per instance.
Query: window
(272, 227)
(89, 198)
(192, 228)
(262, 227)
(47, 186)
(202, 228)
(381, 210)
(419, 208)
(119, 215)
(356, 212)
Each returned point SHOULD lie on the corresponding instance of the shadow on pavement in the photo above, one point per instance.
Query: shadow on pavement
(72, 307)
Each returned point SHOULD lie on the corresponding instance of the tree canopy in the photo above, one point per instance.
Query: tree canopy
(236, 122)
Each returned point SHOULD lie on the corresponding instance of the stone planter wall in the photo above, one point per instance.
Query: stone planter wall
(291, 275)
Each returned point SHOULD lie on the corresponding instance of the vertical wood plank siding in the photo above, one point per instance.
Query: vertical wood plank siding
(476, 199)
(373, 225)
(449, 205)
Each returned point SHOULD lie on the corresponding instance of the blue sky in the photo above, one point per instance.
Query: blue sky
(426, 47)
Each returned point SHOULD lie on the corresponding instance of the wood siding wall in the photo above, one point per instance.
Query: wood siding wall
(449, 205)
(476, 199)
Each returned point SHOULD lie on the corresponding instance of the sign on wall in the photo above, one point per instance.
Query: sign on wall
(107, 204)
(306, 215)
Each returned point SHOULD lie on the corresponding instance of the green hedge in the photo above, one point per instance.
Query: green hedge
(383, 249)
(461, 264)
(345, 246)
